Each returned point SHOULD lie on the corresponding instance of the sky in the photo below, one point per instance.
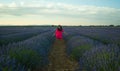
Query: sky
(59, 12)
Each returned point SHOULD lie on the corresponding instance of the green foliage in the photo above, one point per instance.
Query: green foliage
(6, 69)
(27, 57)
(104, 61)
(78, 51)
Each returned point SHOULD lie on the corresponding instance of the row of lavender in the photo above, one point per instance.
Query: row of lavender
(16, 34)
(27, 54)
(105, 35)
(7, 30)
(92, 55)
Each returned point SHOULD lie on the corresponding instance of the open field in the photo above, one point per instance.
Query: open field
(34, 48)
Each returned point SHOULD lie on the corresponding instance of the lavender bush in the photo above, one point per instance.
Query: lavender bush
(22, 35)
(101, 58)
(88, 46)
(28, 54)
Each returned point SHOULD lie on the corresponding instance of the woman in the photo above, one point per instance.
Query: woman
(59, 32)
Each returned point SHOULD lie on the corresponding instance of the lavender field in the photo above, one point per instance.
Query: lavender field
(95, 48)
(25, 48)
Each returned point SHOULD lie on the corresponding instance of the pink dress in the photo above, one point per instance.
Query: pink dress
(58, 34)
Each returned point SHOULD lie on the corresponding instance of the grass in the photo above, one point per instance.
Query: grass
(27, 57)
(78, 51)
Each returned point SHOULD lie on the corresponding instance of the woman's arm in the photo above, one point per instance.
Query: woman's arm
(65, 33)
(54, 32)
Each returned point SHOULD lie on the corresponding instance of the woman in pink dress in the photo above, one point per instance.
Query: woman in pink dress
(59, 32)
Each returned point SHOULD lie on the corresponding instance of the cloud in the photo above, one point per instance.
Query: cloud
(1, 5)
(13, 4)
(57, 8)
(60, 9)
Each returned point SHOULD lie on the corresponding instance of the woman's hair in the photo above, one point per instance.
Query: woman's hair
(59, 28)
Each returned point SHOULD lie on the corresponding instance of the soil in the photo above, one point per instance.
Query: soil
(59, 61)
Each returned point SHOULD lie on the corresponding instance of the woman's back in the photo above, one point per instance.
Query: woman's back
(58, 33)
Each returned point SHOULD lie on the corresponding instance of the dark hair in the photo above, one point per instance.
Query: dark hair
(59, 28)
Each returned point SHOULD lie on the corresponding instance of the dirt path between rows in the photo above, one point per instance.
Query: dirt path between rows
(58, 58)
(59, 61)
